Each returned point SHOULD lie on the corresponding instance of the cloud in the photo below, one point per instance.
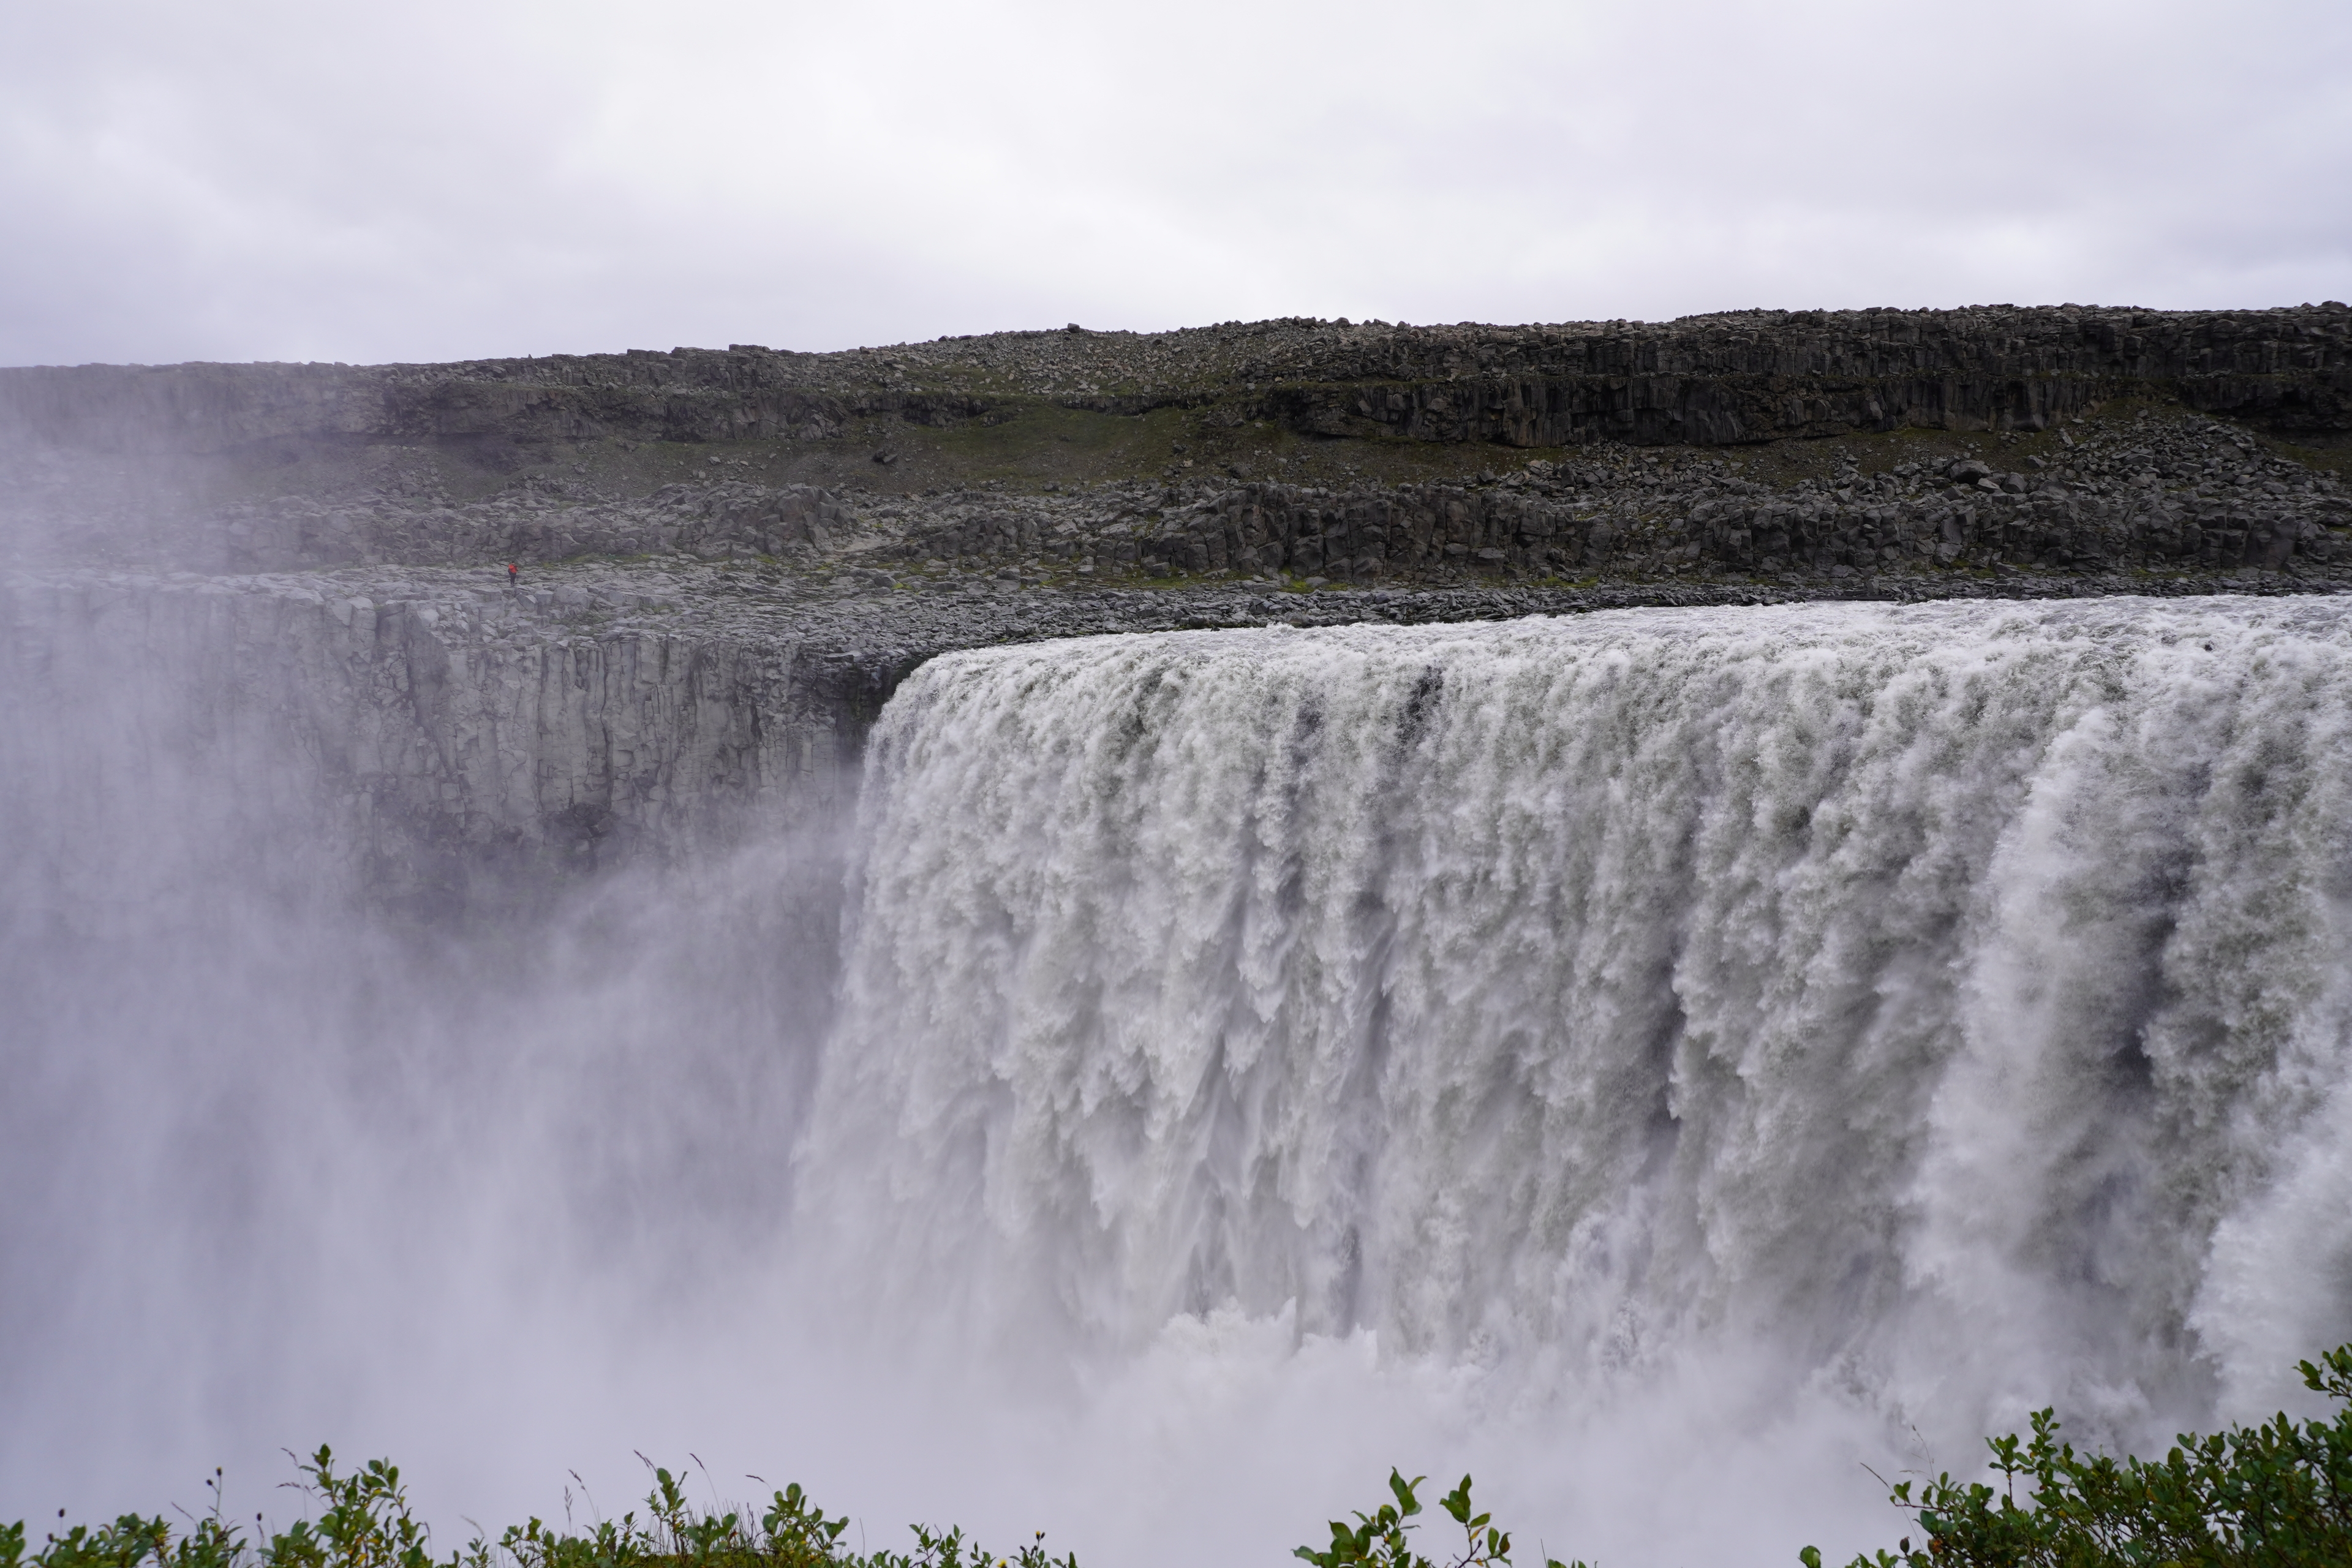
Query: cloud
(271, 180)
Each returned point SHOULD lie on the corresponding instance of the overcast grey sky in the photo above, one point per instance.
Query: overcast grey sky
(300, 179)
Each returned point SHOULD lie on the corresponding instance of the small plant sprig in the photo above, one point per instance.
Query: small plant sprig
(365, 1523)
(1380, 1539)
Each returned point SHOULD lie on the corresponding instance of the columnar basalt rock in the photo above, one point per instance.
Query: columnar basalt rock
(2166, 494)
(1769, 375)
(1557, 522)
(1736, 377)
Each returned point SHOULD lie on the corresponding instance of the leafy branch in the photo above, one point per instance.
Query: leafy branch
(1379, 1539)
(2274, 1495)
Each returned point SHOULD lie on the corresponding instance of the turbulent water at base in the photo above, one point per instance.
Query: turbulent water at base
(1946, 1005)
(1660, 1062)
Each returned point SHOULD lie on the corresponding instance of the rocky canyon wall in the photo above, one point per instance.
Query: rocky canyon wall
(437, 753)
(1727, 379)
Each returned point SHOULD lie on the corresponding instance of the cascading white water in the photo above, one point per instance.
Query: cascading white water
(1658, 1056)
(1950, 1002)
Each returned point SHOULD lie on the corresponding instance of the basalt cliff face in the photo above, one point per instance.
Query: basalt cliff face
(1720, 379)
(432, 753)
(725, 560)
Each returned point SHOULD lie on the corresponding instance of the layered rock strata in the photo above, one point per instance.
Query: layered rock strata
(2159, 495)
(2159, 491)
(1731, 378)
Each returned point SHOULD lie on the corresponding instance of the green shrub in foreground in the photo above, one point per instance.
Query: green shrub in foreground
(365, 1521)
(2277, 1495)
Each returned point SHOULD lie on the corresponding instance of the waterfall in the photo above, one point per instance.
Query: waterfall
(1951, 1000)
(1653, 1055)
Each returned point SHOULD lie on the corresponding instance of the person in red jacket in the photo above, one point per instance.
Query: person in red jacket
(514, 573)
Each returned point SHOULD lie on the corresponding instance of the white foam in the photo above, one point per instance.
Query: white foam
(1904, 995)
